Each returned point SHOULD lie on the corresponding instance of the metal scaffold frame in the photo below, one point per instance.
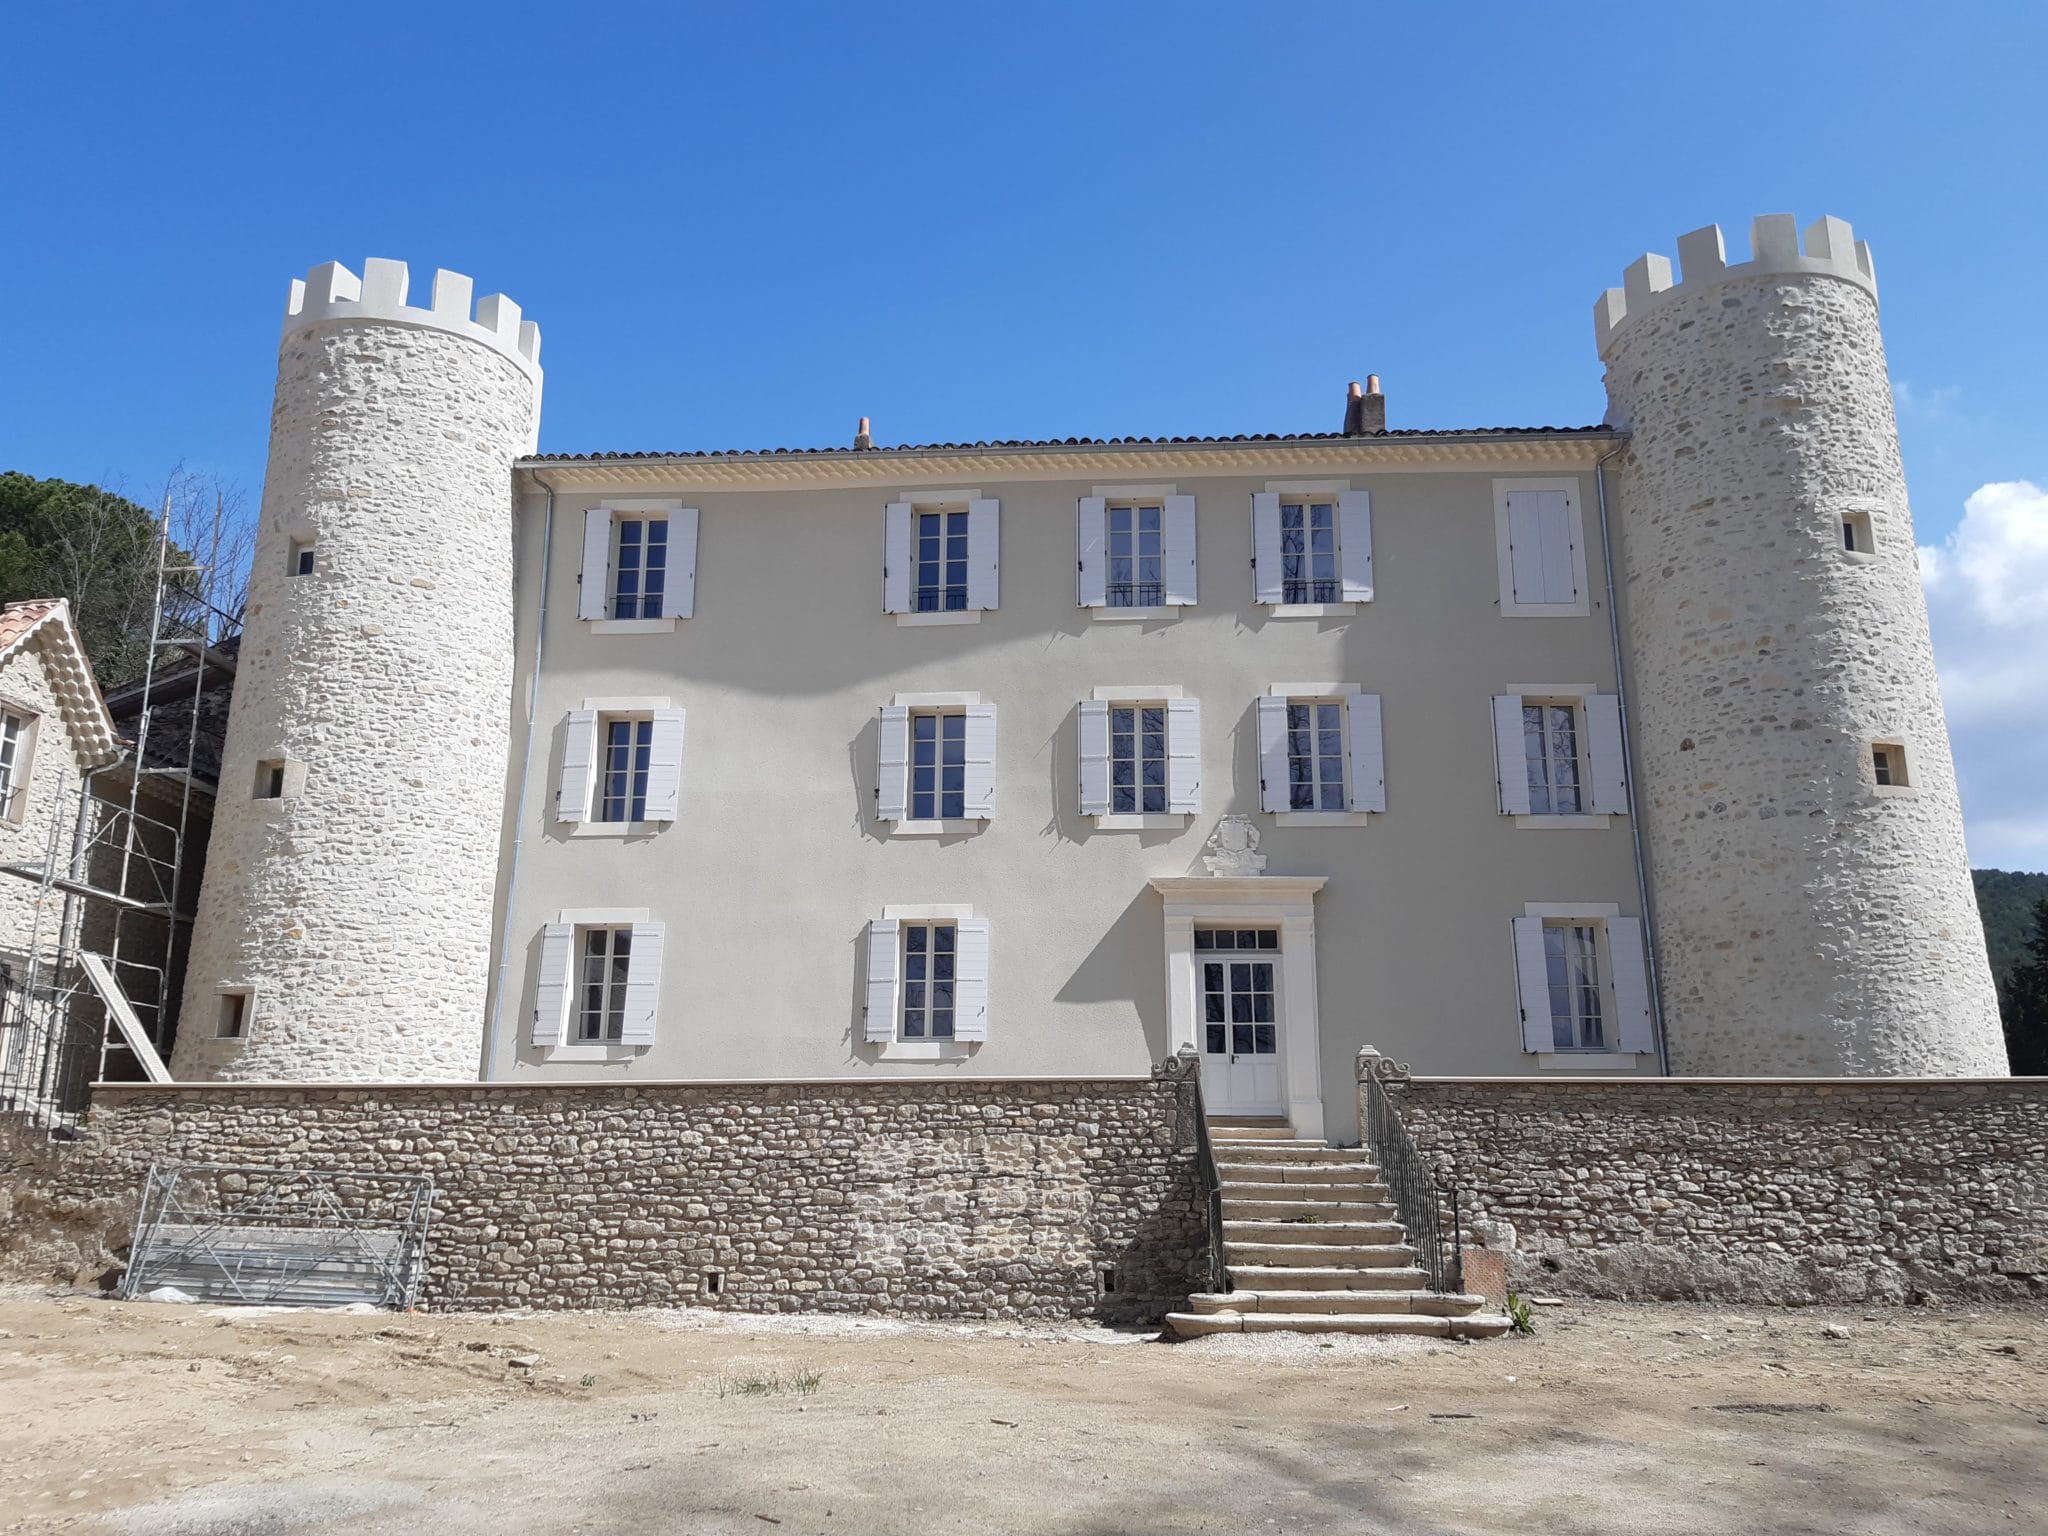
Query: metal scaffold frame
(54, 1041)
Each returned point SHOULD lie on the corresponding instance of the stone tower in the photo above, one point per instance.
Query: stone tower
(1812, 918)
(344, 926)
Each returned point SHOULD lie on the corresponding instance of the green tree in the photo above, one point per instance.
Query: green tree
(2023, 1004)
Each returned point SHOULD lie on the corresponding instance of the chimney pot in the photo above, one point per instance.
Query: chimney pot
(1365, 410)
(863, 438)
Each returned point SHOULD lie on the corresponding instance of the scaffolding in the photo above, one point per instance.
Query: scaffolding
(114, 873)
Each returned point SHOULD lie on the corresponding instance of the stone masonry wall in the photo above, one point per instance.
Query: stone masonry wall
(1810, 922)
(1781, 1191)
(960, 1199)
(359, 907)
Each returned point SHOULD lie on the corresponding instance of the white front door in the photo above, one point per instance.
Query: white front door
(1237, 988)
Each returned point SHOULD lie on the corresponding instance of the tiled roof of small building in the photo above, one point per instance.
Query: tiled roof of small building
(47, 621)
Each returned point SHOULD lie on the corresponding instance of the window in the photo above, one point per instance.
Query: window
(1315, 755)
(1856, 536)
(639, 567)
(606, 961)
(938, 765)
(939, 562)
(232, 1022)
(1308, 552)
(1571, 959)
(1550, 746)
(301, 558)
(13, 763)
(929, 954)
(1888, 764)
(1136, 555)
(622, 776)
(1236, 968)
(279, 778)
(1540, 549)
(1137, 759)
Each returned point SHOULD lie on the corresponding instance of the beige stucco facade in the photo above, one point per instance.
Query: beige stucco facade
(776, 863)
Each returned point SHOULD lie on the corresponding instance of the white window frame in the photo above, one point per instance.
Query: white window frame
(895, 1048)
(1142, 696)
(1603, 785)
(569, 1049)
(1345, 695)
(1582, 603)
(908, 705)
(1604, 915)
(302, 556)
(984, 557)
(1179, 551)
(654, 707)
(594, 601)
(1350, 509)
(17, 767)
(1905, 781)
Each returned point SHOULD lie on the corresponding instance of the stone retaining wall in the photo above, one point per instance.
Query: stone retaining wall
(1021, 1199)
(1756, 1191)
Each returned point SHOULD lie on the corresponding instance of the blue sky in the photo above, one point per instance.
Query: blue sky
(747, 226)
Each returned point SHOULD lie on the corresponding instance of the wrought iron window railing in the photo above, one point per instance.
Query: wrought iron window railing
(1312, 591)
(940, 599)
(1136, 594)
(1430, 1213)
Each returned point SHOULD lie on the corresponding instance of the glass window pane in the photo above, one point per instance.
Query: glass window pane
(1242, 1039)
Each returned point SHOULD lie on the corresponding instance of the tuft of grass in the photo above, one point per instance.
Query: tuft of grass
(587, 1381)
(1521, 1316)
(1301, 1221)
(800, 1381)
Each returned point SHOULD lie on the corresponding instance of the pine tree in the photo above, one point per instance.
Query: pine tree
(2023, 1003)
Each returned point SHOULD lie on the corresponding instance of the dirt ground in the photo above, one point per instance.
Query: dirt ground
(199, 1421)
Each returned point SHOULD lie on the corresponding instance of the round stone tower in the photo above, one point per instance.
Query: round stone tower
(1804, 840)
(344, 926)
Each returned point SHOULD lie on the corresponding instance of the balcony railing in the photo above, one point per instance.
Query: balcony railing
(940, 599)
(1136, 594)
(1312, 591)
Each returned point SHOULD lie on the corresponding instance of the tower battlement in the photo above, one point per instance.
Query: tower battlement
(331, 292)
(1831, 250)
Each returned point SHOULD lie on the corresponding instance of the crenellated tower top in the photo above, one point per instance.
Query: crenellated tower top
(1832, 250)
(332, 292)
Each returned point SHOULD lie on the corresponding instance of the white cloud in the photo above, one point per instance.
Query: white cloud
(1928, 404)
(1987, 599)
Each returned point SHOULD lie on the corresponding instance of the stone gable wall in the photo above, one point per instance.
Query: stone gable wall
(1772, 1191)
(938, 1200)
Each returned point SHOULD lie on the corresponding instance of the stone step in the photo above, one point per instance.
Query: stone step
(1420, 1303)
(1231, 1150)
(1359, 1192)
(1235, 1209)
(1316, 1232)
(1246, 1130)
(1189, 1325)
(1320, 1255)
(1294, 1277)
(1289, 1173)
(1307, 1154)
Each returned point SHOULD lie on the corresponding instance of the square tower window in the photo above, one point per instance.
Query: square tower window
(232, 1022)
(1856, 535)
(1888, 765)
(279, 778)
(300, 558)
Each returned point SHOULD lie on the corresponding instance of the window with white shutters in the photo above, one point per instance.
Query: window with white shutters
(1312, 548)
(1559, 755)
(639, 565)
(621, 768)
(1321, 755)
(1539, 530)
(599, 985)
(927, 979)
(939, 560)
(935, 762)
(1140, 755)
(1582, 982)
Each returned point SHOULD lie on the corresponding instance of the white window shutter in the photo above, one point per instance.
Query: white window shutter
(1560, 574)
(1092, 733)
(1354, 544)
(665, 765)
(1091, 536)
(1525, 547)
(984, 552)
(1273, 752)
(1184, 757)
(882, 970)
(1532, 985)
(1511, 760)
(896, 558)
(892, 764)
(643, 985)
(1368, 781)
(970, 979)
(1631, 985)
(1177, 548)
(551, 996)
(979, 750)
(579, 766)
(682, 563)
(1603, 749)
(1266, 567)
(596, 599)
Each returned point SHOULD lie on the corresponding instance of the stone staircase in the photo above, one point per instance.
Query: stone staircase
(1312, 1244)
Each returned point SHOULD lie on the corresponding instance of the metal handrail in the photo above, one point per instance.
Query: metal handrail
(1419, 1203)
(1212, 1183)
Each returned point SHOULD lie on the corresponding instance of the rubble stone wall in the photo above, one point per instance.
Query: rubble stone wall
(1037, 1199)
(1757, 1191)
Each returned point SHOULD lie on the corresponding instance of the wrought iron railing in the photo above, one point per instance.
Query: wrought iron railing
(940, 599)
(1136, 594)
(1428, 1212)
(1212, 1182)
(1312, 591)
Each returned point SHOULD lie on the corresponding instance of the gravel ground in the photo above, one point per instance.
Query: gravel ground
(195, 1421)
